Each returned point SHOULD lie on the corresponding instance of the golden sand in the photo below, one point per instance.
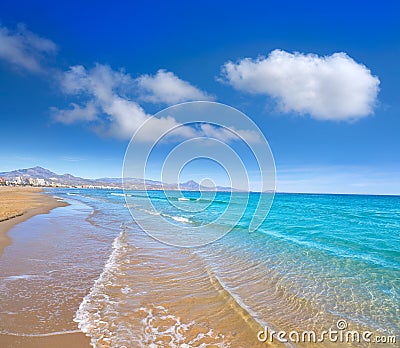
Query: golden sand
(18, 204)
(68, 340)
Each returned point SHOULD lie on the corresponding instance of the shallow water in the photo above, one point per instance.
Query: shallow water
(47, 270)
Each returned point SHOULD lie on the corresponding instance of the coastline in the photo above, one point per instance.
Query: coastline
(18, 204)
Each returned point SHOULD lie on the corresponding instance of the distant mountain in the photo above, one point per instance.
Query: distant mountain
(53, 179)
(190, 185)
(36, 172)
(47, 175)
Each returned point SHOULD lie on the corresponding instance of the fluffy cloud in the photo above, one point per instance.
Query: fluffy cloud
(165, 87)
(75, 113)
(333, 87)
(24, 49)
(108, 108)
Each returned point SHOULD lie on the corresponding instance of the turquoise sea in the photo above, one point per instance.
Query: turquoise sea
(316, 259)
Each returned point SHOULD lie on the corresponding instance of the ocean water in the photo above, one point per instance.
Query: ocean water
(315, 260)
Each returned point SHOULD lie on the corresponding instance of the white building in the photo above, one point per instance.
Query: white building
(40, 182)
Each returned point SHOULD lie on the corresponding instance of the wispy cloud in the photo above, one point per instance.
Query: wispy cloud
(105, 106)
(228, 135)
(23, 49)
(107, 101)
(110, 104)
(166, 87)
(75, 113)
(111, 101)
(332, 87)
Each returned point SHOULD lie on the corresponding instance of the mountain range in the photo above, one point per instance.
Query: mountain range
(130, 183)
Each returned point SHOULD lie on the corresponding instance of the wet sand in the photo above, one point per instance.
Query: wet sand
(18, 204)
(69, 340)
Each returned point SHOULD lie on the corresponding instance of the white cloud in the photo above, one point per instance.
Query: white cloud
(165, 87)
(228, 135)
(164, 129)
(24, 49)
(333, 87)
(109, 109)
(101, 81)
(75, 113)
(220, 133)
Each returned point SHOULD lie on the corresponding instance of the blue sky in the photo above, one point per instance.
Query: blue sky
(332, 121)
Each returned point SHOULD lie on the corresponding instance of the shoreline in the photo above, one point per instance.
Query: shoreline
(18, 204)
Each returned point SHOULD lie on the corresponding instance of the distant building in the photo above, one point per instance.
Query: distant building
(2, 181)
(40, 182)
(36, 182)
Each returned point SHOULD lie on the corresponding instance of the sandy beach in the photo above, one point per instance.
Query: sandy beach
(18, 204)
(69, 340)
